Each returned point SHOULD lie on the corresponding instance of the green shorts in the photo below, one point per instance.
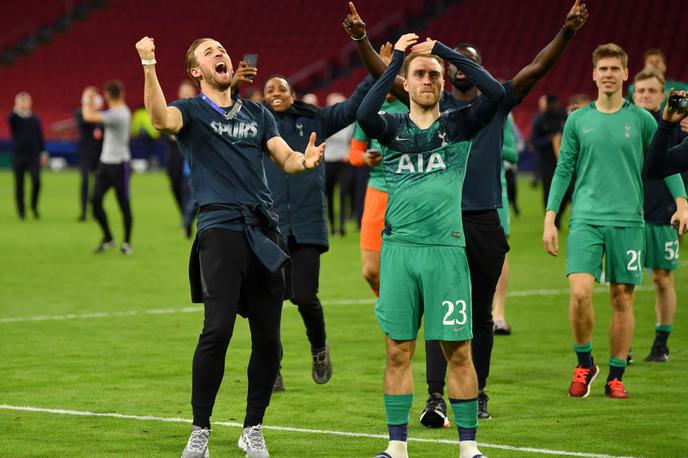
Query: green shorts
(424, 280)
(621, 247)
(504, 217)
(661, 247)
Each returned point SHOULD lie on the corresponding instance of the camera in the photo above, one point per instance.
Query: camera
(678, 103)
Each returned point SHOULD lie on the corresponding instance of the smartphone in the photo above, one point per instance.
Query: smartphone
(251, 59)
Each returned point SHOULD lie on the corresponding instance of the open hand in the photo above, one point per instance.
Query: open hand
(353, 24)
(146, 48)
(406, 40)
(670, 114)
(550, 236)
(372, 158)
(577, 16)
(386, 52)
(243, 74)
(313, 154)
(424, 47)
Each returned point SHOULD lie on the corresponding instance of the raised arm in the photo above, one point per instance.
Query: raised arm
(356, 29)
(168, 119)
(340, 115)
(524, 81)
(368, 117)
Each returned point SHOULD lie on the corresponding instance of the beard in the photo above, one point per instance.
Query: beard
(462, 84)
(215, 84)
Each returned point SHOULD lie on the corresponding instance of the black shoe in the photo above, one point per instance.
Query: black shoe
(322, 365)
(658, 354)
(435, 413)
(501, 328)
(483, 414)
(629, 358)
(278, 387)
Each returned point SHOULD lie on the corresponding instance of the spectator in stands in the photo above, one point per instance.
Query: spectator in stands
(299, 201)
(113, 169)
(311, 99)
(338, 171)
(88, 146)
(28, 150)
(545, 127)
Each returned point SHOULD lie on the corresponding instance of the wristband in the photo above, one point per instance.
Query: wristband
(359, 39)
(567, 33)
(148, 61)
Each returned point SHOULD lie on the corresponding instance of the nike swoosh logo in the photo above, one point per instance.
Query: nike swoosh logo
(400, 139)
(587, 131)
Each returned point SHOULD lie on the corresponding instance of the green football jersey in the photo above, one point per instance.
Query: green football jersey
(376, 179)
(424, 170)
(606, 151)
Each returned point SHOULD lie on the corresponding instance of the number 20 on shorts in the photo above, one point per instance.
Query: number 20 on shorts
(460, 308)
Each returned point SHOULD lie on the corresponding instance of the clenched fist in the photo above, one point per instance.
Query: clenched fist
(146, 48)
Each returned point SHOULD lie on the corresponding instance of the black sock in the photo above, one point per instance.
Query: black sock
(615, 372)
(585, 358)
(661, 338)
(203, 422)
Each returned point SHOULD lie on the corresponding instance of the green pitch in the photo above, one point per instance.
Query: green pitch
(111, 334)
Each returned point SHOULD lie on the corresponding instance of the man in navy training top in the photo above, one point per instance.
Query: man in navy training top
(236, 262)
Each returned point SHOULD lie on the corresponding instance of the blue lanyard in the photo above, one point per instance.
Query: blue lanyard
(228, 115)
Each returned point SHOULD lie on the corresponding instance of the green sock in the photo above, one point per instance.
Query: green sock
(397, 408)
(617, 367)
(664, 327)
(465, 412)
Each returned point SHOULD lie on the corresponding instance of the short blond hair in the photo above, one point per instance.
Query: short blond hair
(191, 61)
(411, 57)
(609, 50)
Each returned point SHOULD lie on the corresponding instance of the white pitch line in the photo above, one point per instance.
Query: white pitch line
(83, 413)
(193, 309)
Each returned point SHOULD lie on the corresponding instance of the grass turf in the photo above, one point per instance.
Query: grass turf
(135, 359)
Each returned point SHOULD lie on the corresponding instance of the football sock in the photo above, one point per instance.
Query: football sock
(662, 332)
(465, 417)
(584, 353)
(616, 368)
(397, 408)
(201, 422)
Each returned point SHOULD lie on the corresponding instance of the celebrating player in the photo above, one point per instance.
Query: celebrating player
(423, 266)
(235, 264)
(604, 143)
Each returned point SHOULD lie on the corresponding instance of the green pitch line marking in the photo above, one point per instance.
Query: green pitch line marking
(82, 413)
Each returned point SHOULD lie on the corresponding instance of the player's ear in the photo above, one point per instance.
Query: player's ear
(625, 74)
(196, 72)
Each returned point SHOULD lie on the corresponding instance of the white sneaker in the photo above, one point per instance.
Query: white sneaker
(197, 447)
(252, 442)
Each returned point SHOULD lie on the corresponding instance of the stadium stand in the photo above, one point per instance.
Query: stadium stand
(304, 41)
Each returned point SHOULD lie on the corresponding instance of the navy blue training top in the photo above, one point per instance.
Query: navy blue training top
(225, 156)
(482, 187)
(659, 204)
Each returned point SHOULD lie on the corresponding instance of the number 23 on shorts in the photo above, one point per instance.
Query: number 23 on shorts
(450, 318)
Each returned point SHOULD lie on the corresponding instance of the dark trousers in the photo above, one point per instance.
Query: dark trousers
(21, 165)
(486, 247)
(337, 173)
(87, 165)
(305, 274)
(175, 171)
(117, 176)
(234, 281)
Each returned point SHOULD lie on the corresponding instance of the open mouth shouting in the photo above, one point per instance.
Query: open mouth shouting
(221, 68)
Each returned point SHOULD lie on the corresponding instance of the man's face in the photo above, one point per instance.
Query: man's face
(23, 102)
(424, 81)
(648, 94)
(609, 75)
(214, 65)
(458, 79)
(656, 62)
(277, 94)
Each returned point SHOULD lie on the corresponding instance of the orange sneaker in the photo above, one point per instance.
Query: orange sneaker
(615, 389)
(582, 379)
